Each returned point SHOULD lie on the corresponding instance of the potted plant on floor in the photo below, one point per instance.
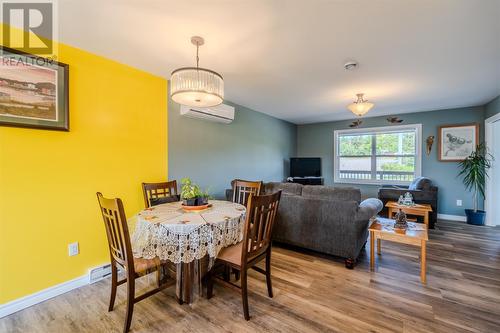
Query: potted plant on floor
(192, 195)
(474, 170)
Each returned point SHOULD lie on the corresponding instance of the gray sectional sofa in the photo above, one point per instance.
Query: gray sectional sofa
(331, 220)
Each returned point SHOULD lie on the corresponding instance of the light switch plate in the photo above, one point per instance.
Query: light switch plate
(73, 249)
(459, 203)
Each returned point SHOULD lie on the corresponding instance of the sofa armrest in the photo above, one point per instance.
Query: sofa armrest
(420, 196)
(366, 210)
(394, 187)
(398, 191)
(369, 208)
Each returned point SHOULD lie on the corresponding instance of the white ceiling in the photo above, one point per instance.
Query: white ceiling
(285, 58)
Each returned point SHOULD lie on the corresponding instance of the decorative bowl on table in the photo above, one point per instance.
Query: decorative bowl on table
(188, 208)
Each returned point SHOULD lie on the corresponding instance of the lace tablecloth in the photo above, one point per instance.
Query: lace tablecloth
(170, 233)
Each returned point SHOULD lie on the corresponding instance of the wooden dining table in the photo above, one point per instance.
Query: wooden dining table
(189, 240)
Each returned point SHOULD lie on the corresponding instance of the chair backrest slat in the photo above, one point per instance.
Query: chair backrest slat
(243, 189)
(260, 218)
(158, 190)
(115, 222)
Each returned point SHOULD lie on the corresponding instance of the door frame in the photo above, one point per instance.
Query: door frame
(488, 134)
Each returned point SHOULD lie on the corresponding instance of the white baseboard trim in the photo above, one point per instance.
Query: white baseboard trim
(452, 217)
(43, 295)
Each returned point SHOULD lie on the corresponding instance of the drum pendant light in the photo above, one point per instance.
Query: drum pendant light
(196, 86)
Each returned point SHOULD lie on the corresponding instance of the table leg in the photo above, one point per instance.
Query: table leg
(372, 250)
(187, 282)
(426, 219)
(390, 213)
(423, 259)
(200, 281)
(379, 246)
(184, 286)
(178, 283)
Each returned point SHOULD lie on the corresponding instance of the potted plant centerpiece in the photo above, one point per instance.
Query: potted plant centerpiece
(474, 170)
(192, 195)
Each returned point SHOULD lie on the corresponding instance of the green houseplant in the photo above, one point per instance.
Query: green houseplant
(191, 194)
(474, 170)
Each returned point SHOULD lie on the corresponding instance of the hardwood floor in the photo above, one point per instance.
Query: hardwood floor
(313, 294)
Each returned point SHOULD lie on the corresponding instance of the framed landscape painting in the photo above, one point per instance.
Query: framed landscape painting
(33, 91)
(457, 142)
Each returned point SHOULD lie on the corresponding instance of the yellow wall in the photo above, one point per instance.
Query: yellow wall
(48, 179)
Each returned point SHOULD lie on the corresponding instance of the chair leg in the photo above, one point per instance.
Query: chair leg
(114, 284)
(236, 274)
(244, 293)
(159, 276)
(130, 303)
(268, 274)
(227, 273)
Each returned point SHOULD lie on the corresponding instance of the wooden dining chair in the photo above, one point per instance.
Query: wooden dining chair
(120, 250)
(159, 193)
(256, 246)
(242, 189)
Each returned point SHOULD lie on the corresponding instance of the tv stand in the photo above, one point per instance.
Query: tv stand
(307, 180)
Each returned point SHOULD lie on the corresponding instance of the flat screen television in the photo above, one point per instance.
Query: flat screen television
(305, 167)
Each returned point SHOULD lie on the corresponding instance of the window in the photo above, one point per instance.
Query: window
(383, 155)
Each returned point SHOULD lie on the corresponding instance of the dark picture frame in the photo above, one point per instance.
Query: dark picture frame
(41, 90)
(456, 142)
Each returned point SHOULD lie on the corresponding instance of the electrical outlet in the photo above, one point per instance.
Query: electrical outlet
(73, 249)
(459, 203)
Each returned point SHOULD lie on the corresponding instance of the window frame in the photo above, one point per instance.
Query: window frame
(375, 130)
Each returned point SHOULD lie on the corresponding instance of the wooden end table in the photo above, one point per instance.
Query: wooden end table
(383, 229)
(418, 210)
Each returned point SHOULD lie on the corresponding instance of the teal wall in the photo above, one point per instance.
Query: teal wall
(316, 140)
(492, 108)
(254, 146)
(258, 146)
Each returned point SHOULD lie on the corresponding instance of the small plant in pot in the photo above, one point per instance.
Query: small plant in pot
(191, 194)
(204, 197)
(474, 170)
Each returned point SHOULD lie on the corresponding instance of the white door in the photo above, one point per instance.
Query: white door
(493, 183)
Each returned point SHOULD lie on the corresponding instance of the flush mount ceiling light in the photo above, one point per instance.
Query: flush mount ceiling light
(361, 106)
(196, 86)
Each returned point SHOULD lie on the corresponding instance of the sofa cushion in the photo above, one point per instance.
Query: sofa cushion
(287, 188)
(332, 193)
(420, 183)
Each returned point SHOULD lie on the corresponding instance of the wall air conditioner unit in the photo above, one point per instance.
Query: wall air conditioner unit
(221, 113)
